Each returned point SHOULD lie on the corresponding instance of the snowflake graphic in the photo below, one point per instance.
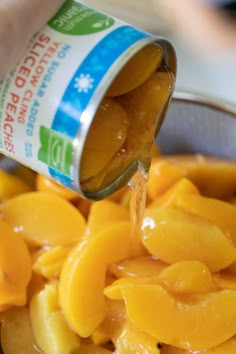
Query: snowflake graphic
(84, 83)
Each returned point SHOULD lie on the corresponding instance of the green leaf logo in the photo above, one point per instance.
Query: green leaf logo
(77, 19)
(55, 150)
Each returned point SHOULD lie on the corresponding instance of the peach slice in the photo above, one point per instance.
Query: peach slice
(138, 267)
(51, 332)
(110, 328)
(181, 278)
(173, 235)
(104, 213)
(138, 69)
(133, 341)
(213, 176)
(49, 263)
(205, 322)
(187, 277)
(15, 267)
(113, 291)
(44, 219)
(106, 136)
(16, 332)
(217, 212)
(84, 273)
(183, 185)
(162, 176)
(11, 186)
(228, 347)
(46, 184)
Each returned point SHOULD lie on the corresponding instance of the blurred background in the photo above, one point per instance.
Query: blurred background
(203, 33)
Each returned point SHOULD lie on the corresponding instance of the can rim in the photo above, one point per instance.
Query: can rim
(205, 100)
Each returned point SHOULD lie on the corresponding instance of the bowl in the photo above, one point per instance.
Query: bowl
(199, 124)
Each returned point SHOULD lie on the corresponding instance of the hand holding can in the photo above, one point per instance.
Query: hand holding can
(19, 21)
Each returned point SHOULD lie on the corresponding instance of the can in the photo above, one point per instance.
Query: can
(49, 100)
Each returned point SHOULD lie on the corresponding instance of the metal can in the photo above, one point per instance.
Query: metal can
(49, 100)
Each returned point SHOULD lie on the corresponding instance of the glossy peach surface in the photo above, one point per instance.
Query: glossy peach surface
(52, 221)
(84, 273)
(174, 235)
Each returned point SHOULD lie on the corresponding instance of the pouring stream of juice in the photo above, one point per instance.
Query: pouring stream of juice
(137, 207)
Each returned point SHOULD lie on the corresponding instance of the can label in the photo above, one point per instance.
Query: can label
(43, 99)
